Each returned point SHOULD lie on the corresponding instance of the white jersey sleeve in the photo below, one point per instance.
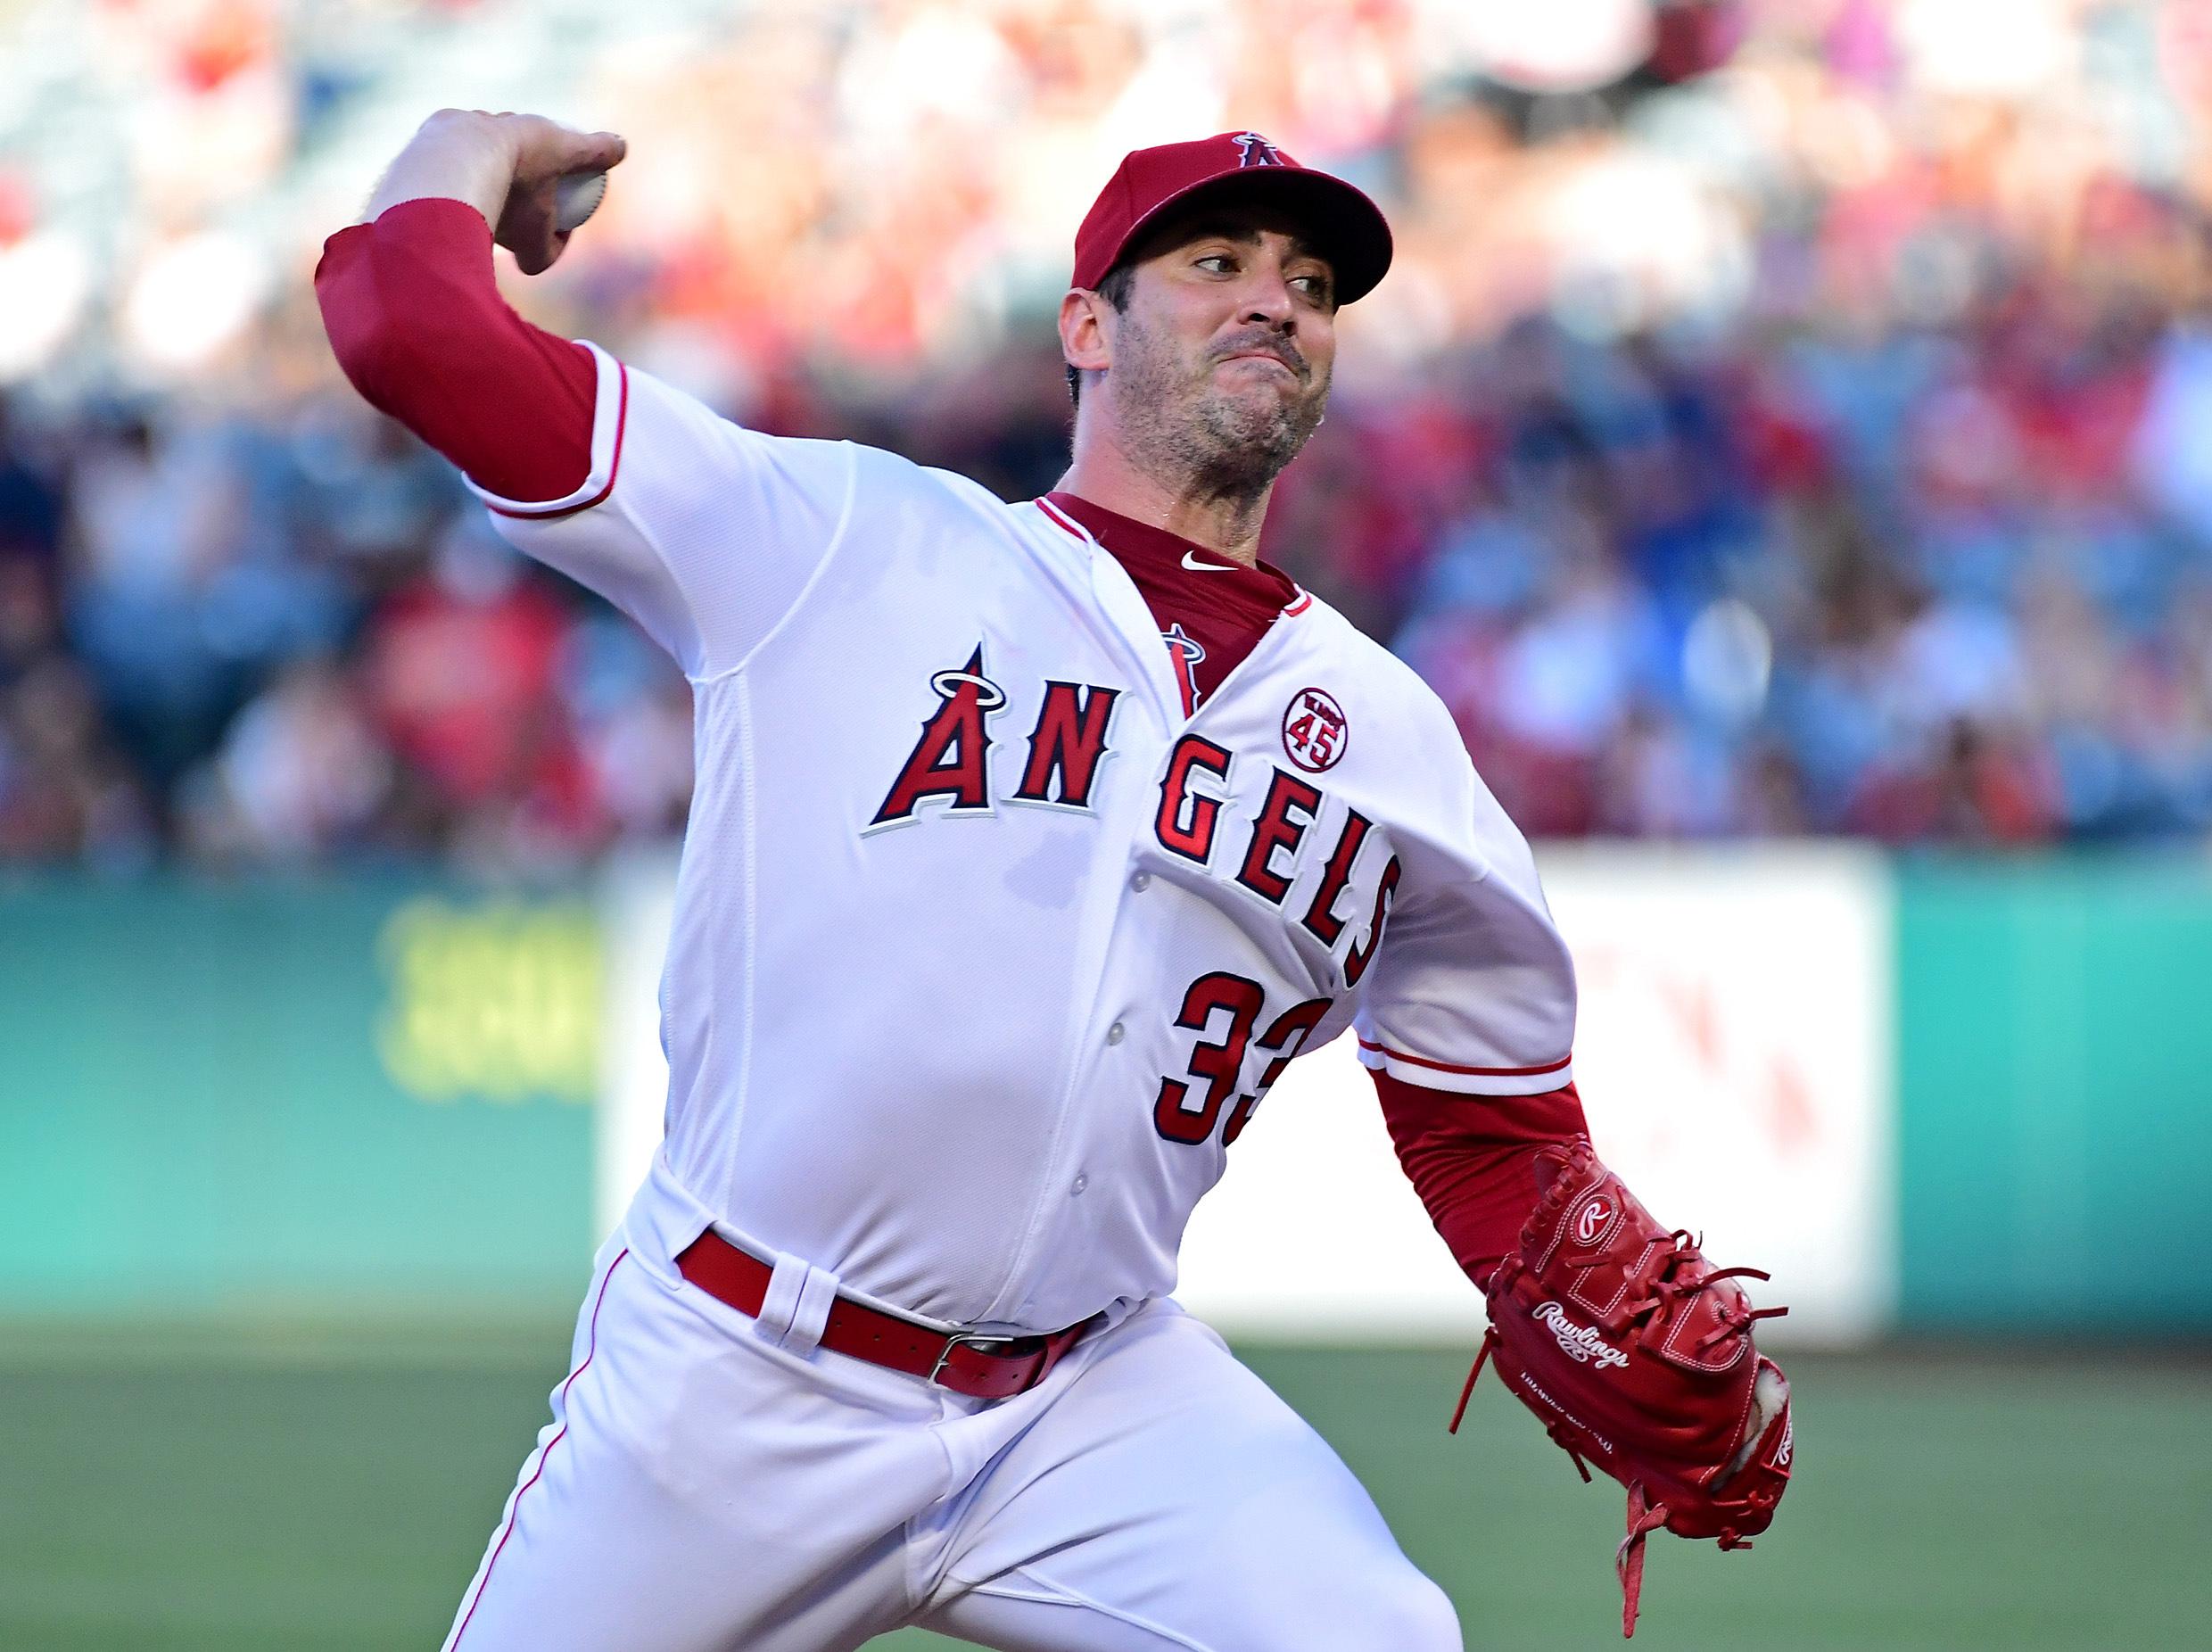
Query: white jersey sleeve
(1473, 988)
(703, 531)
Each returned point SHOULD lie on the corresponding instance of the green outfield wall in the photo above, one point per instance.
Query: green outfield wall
(377, 1093)
(294, 1094)
(2054, 1094)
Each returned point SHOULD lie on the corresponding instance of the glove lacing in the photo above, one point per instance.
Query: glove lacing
(1646, 1517)
(1667, 1289)
(1628, 1560)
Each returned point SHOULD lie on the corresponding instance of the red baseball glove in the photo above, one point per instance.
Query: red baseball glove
(1637, 1355)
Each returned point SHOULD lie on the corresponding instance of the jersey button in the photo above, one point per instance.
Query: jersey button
(1141, 882)
(1078, 1184)
(1116, 1033)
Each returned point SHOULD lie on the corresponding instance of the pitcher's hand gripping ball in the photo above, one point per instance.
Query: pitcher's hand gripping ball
(576, 196)
(1636, 1353)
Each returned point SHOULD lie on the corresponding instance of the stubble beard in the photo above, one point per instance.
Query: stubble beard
(1205, 441)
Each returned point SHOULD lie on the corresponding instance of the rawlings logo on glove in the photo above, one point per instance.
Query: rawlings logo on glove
(1636, 1354)
(1580, 1342)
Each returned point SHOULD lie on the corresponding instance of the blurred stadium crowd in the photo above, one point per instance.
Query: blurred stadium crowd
(1783, 418)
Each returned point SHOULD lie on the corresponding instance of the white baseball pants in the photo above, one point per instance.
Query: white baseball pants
(709, 1483)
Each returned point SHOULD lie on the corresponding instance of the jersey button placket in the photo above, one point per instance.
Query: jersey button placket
(1128, 816)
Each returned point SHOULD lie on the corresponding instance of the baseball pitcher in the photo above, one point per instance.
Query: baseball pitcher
(1031, 844)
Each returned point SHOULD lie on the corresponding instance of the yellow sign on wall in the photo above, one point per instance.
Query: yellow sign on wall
(501, 1001)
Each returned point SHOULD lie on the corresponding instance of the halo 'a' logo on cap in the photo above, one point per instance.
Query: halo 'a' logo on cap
(1253, 150)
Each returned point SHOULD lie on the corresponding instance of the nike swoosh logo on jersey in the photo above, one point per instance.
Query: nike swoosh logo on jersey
(1206, 567)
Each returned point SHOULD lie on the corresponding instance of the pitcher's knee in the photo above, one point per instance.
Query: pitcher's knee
(1409, 1614)
(1388, 1609)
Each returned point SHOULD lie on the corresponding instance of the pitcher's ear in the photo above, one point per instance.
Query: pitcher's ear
(1083, 335)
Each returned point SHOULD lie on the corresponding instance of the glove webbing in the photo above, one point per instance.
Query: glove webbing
(1643, 1518)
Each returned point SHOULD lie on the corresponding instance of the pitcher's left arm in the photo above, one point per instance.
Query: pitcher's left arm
(1634, 1351)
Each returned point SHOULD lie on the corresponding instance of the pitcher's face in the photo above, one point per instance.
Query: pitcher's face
(1222, 359)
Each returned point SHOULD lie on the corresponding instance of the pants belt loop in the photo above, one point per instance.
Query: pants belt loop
(810, 1314)
(773, 1324)
(796, 1307)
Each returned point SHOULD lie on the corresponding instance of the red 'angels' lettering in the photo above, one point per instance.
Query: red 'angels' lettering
(1069, 739)
(1278, 828)
(1068, 748)
(948, 760)
(1220, 1061)
(1356, 962)
(1193, 840)
(1321, 918)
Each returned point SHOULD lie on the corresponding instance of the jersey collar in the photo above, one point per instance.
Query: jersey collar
(1132, 542)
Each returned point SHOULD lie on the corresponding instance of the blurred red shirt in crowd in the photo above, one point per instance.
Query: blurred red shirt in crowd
(464, 686)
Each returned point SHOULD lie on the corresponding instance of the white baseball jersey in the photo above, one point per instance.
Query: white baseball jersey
(983, 951)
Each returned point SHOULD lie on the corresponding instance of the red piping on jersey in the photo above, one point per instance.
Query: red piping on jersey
(1052, 511)
(591, 1347)
(621, 424)
(1477, 1072)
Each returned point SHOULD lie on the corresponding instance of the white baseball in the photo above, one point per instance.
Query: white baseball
(577, 197)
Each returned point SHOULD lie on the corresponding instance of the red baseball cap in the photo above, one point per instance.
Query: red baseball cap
(1347, 227)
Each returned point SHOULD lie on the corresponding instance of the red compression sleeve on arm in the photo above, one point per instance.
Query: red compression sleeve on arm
(1470, 1159)
(416, 320)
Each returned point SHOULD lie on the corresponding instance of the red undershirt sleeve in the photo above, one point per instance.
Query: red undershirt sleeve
(1471, 1159)
(704, 531)
(417, 324)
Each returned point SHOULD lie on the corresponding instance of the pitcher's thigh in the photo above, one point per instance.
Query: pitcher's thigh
(1171, 1500)
(695, 1493)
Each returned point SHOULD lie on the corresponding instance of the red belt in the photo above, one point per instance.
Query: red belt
(983, 1367)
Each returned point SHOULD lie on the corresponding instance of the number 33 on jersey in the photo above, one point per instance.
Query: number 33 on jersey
(1042, 937)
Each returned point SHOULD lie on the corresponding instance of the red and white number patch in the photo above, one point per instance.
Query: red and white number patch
(1313, 730)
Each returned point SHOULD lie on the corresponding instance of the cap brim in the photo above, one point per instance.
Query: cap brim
(1348, 228)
